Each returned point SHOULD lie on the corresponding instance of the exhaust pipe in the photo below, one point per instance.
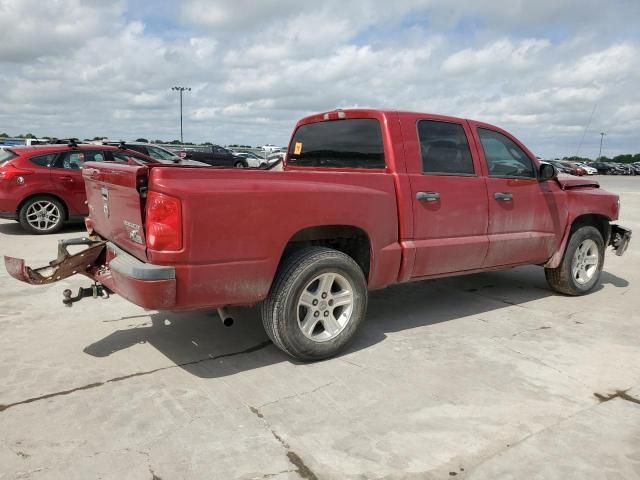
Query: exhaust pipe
(226, 317)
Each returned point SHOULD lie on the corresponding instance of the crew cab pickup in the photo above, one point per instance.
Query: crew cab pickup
(365, 199)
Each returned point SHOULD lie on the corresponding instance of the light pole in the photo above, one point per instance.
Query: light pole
(181, 89)
(602, 134)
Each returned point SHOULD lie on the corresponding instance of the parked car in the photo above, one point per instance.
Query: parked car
(560, 166)
(589, 170)
(603, 168)
(567, 167)
(214, 155)
(269, 148)
(367, 199)
(575, 168)
(42, 186)
(253, 160)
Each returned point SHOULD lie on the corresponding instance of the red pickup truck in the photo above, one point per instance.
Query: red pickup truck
(365, 199)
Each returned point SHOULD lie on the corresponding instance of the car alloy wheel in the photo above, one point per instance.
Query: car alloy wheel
(43, 215)
(325, 307)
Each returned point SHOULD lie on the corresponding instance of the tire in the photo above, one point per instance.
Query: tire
(323, 276)
(569, 277)
(42, 215)
(240, 165)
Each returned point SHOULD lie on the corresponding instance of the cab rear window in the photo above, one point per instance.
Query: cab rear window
(351, 143)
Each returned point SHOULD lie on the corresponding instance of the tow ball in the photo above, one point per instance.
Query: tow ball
(94, 291)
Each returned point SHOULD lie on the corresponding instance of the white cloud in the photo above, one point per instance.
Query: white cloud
(86, 68)
(501, 55)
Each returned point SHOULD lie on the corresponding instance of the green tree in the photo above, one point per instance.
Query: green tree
(142, 140)
(4, 135)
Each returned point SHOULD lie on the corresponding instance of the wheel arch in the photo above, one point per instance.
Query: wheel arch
(348, 239)
(599, 221)
(44, 194)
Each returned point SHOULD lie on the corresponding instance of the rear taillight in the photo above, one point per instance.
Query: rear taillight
(9, 171)
(163, 222)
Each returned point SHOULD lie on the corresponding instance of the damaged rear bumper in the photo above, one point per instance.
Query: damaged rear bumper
(149, 286)
(620, 238)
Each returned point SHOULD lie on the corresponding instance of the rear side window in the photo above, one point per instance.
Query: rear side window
(444, 148)
(504, 157)
(353, 143)
(43, 160)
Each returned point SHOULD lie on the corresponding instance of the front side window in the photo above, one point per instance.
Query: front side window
(504, 157)
(351, 143)
(70, 161)
(444, 148)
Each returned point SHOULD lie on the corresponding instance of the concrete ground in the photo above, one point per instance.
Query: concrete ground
(489, 376)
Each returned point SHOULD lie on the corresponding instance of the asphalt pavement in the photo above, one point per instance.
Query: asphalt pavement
(489, 376)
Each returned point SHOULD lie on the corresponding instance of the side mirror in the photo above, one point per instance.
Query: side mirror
(547, 172)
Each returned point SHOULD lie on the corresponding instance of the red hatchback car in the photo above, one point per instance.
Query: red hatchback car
(42, 187)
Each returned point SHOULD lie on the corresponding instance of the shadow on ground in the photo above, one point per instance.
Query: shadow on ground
(201, 345)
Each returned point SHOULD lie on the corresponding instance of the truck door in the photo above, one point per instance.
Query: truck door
(448, 193)
(524, 219)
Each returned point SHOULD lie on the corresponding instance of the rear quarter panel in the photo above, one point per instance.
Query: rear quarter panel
(237, 224)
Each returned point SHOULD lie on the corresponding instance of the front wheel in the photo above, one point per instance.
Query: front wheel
(581, 265)
(316, 304)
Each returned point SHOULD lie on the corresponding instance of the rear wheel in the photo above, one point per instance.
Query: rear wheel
(41, 215)
(581, 264)
(316, 304)
(240, 165)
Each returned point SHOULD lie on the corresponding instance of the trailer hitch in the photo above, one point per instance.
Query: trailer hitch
(65, 265)
(94, 291)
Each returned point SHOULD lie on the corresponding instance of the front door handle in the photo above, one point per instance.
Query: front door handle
(503, 196)
(66, 178)
(427, 196)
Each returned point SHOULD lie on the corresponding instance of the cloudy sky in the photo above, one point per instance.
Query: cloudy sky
(541, 69)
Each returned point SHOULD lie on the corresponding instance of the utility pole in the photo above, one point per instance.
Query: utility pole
(602, 134)
(181, 89)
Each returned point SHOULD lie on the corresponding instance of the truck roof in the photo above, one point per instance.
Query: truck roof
(368, 112)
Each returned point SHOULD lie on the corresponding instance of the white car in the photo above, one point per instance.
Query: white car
(588, 169)
(269, 148)
(253, 160)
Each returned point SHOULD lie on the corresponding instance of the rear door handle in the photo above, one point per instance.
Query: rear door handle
(66, 178)
(503, 196)
(427, 196)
